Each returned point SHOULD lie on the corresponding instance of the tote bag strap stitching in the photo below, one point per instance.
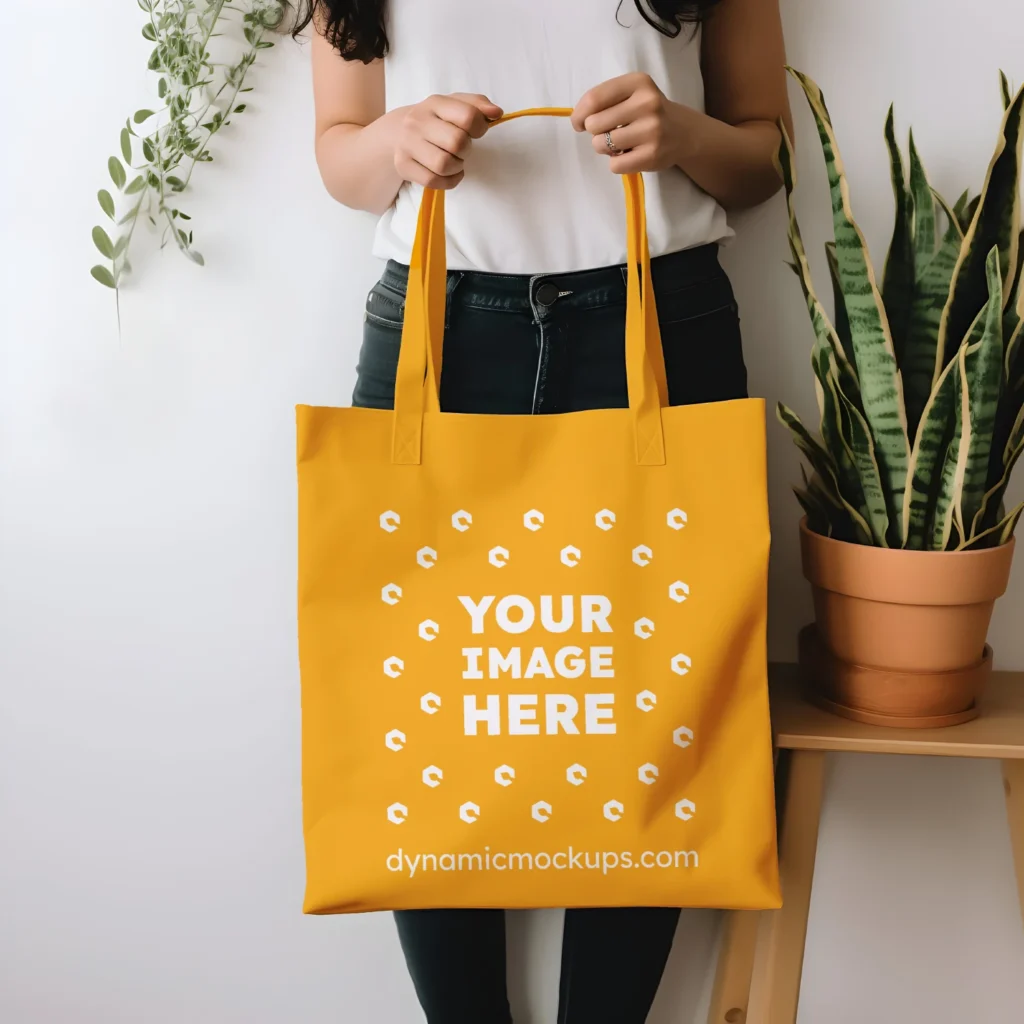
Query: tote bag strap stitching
(643, 333)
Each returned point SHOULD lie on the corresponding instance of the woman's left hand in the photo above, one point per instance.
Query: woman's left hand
(647, 131)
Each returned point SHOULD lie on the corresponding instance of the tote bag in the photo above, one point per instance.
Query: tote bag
(532, 648)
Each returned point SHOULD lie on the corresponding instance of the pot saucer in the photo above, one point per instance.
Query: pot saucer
(885, 697)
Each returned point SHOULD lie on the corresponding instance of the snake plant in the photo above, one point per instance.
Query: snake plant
(919, 377)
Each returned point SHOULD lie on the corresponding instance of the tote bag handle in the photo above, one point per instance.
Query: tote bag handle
(419, 363)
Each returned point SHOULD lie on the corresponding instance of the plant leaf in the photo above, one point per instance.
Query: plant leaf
(823, 330)
(984, 369)
(812, 449)
(816, 511)
(106, 202)
(924, 213)
(938, 422)
(116, 168)
(898, 275)
(930, 298)
(842, 321)
(103, 242)
(1012, 400)
(953, 221)
(995, 536)
(967, 215)
(142, 115)
(126, 145)
(994, 496)
(951, 477)
(1004, 89)
(881, 388)
(857, 440)
(833, 436)
(960, 208)
(1014, 302)
(824, 468)
(103, 275)
(996, 223)
(137, 184)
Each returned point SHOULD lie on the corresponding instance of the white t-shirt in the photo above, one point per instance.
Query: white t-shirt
(536, 197)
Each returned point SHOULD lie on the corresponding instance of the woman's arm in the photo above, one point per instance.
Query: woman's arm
(365, 154)
(732, 148)
(729, 150)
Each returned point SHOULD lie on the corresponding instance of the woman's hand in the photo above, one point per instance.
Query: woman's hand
(647, 130)
(432, 137)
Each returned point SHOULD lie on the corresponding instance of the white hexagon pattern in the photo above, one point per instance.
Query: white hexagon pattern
(645, 700)
(681, 664)
(429, 629)
(676, 519)
(391, 594)
(397, 813)
(426, 557)
(395, 740)
(576, 774)
(393, 667)
(533, 520)
(390, 521)
(430, 703)
(469, 812)
(432, 776)
(682, 737)
(685, 809)
(570, 556)
(613, 810)
(678, 591)
(504, 775)
(462, 520)
(647, 774)
(643, 628)
(498, 557)
(541, 811)
(642, 554)
(605, 519)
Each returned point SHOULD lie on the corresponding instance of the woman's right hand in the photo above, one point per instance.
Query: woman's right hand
(435, 134)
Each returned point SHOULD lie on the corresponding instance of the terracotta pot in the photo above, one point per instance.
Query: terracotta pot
(922, 615)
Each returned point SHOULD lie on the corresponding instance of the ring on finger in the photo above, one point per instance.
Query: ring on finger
(612, 148)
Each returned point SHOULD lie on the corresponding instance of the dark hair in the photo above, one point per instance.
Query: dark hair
(357, 29)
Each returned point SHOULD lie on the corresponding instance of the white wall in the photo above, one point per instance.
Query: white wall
(150, 848)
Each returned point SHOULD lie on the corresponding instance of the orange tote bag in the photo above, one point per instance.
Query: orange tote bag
(533, 647)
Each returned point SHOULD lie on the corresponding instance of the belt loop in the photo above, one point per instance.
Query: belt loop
(454, 280)
(624, 271)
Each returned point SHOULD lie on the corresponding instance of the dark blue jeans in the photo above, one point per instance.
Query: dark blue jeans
(547, 344)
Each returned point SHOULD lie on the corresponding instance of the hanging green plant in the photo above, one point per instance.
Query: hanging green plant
(198, 96)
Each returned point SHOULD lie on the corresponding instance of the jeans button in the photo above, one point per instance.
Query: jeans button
(547, 294)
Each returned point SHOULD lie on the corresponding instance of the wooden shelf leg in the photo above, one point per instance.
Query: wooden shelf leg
(779, 952)
(735, 965)
(1013, 781)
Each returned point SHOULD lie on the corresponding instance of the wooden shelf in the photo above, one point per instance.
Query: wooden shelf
(759, 968)
(997, 733)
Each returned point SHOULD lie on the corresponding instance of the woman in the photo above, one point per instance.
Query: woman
(688, 91)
